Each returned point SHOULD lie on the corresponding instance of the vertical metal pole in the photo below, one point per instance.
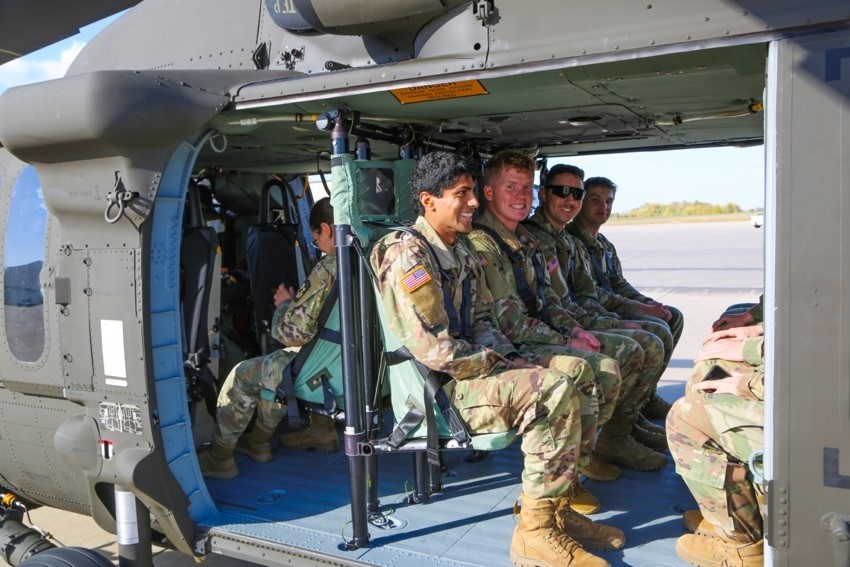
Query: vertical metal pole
(421, 476)
(133, 524)
(352, 380)
(370, 383)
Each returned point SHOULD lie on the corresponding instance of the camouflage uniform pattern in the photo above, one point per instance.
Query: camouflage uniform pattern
(594, 296)
(711, 438)
(559, 252)
(489, 392)
(616, 368)
(251, 383)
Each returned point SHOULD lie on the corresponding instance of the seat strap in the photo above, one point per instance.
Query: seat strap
(528, 297)
(285, 391)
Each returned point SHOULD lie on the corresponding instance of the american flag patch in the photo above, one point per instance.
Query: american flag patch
(482, 261)
(552, 265)
(415, 278)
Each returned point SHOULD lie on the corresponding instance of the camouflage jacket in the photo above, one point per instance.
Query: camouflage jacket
(753, 352)
(411, 289)
(563, 264)
(597, 297)
(514, 317)
(296, 321)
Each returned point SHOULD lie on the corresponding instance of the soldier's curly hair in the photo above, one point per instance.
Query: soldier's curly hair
(434, 173)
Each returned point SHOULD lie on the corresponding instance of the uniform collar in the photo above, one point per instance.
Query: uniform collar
(445, 253)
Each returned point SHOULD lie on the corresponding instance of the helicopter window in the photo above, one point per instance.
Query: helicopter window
(23, 257)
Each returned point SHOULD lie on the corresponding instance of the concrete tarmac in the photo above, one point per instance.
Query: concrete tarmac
(700, 268)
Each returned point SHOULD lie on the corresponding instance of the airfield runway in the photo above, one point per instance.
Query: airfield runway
(698, 267)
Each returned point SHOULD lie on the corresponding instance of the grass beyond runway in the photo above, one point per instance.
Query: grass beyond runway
(744, 217)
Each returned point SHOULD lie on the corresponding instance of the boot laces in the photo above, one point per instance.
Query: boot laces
(563, 544)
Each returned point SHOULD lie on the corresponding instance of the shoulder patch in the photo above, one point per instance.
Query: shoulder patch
(415, 278)
(302, 290)
(482, 261)
(552, 264)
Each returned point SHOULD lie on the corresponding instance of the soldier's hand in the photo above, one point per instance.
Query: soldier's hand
(730, 320)
(283, 293)
(738, 333)
(586, 337)
(726, 349)
(655, 311)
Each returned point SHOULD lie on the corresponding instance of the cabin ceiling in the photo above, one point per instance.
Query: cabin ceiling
(693, 99)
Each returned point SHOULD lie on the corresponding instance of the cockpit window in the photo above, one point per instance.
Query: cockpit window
(23, 258)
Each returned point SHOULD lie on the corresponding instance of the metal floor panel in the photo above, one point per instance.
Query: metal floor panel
(301, 499)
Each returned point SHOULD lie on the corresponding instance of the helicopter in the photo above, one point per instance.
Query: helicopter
(131, 188)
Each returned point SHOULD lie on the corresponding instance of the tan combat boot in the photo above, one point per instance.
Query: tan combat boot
(217, 461)
(694, 523)
(582, 501)
(616, 445)
(589, 534)
(705, 551)
(537, 542)
(320, 435)
(599, 470)
(256, 444)
(656, 408)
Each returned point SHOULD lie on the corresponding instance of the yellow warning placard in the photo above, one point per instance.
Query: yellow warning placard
(442, 91)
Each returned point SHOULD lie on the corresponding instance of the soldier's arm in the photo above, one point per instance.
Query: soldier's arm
(619, 283)
(486, 330)
(300, 320)
(413, 299)
(510, 312)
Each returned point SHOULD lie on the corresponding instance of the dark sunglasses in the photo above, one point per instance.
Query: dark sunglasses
(563, 190)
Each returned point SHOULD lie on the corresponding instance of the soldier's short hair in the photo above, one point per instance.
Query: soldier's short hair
(434, 173)
(508, 159)
(322, 212)
(602, 182)
(562, 168)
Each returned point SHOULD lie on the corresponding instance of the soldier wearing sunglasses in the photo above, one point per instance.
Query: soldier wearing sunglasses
(560, 201)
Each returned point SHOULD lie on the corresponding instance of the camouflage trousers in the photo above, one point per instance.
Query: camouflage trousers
(249, 386)
(632, 398)
(669, 332)
(543, 405)
(702, 367)
(711, 438)
(598, 387)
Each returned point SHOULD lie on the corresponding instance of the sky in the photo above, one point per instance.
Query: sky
(641, 177)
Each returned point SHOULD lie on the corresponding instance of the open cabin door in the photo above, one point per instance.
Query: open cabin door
(808, 300)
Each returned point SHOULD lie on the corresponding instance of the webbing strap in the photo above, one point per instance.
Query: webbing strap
(458, 326)
(601, 276)
(285, 390)
(528, 297)
(433, 392)
(569, 276)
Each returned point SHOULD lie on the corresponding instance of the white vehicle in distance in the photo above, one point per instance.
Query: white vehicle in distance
(757, 220)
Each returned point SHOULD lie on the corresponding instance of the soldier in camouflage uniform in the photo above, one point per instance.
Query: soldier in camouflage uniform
(560, 201)
(491, 386)
(615, 293)
(713, 432)
(539, 323)
(251, 384)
